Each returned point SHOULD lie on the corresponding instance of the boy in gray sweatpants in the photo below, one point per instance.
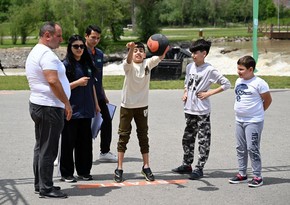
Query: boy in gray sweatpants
(252, 99)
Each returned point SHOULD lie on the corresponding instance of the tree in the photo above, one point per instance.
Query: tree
(45, 10)
(198, 13)
(64, 13)
(175, 12)
(267, 9)
(77, 15)
(147, 18)
(214, 11)
(23, 21)
(4, 8)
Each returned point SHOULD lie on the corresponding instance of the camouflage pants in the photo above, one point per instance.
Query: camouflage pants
(196, 126)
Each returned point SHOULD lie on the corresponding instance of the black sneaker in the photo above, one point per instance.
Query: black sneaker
(196, 174)
(256, 182)
(118, 176)
(147, 174)
(86, 177)
(69, 179)
(238, 179)
(183, 169)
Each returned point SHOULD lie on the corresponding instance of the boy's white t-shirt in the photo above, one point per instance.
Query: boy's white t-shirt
(42, 58)
(136, 83)
(248, 102)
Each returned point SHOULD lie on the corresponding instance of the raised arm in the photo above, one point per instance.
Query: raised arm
(130, 46)
(163, 55)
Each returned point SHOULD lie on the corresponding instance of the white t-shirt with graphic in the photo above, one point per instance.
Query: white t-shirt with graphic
(199, 79)
(248, 102)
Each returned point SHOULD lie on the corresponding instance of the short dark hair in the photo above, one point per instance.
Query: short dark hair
(139, 44)
(91, 28)
(247, 61)
(48, 26)
(200, 45)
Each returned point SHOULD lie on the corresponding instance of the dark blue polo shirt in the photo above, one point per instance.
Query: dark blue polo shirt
(98, 59)
(82, 97)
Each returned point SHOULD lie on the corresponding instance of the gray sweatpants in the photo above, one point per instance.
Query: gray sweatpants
(248, 137)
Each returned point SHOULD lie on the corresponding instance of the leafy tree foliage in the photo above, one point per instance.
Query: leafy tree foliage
(267, 9)
(174, 12)
(23, 21)
(45, 10)
(4, 8)
(147, 16)
(65, 12)
(77, 15)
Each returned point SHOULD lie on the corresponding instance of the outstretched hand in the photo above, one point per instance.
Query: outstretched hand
(164, 53)
(130, 45)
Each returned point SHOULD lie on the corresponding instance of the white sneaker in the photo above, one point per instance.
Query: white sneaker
(108, 157)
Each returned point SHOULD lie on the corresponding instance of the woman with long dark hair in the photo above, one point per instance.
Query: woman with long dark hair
(76, 141)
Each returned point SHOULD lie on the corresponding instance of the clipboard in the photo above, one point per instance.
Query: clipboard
(98, 120)
(112, 109)
(96, 125)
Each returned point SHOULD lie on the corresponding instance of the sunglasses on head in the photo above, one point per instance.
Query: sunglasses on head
(76, 46)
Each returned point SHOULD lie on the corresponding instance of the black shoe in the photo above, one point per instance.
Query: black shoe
(147, 174)
(36, 190)
(85, 177)
(256, 182)
(118, 176)
(69, 179)
(56, 194)
(183, 169)
(196, 174)
(238, 179)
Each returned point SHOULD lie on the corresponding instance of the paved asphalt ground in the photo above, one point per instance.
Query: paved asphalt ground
(166, 124)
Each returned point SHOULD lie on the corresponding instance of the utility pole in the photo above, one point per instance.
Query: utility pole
(279, 14)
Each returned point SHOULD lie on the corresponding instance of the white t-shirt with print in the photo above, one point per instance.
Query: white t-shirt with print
(199, 79)
(248, 102)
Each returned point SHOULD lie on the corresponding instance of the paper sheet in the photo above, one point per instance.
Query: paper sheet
(96, 125)
(98, 120)
(112, 109)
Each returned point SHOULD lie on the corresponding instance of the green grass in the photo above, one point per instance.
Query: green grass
(116, 82)
(13, 83)
(193, 33)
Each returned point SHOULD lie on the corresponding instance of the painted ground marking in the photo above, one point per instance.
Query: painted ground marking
(127, 184)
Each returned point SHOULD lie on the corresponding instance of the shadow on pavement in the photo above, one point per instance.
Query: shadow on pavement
(10, 193)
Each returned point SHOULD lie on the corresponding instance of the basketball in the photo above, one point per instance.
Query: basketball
(157, 44)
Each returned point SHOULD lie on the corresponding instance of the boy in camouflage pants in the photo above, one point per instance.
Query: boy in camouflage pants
(199, 77)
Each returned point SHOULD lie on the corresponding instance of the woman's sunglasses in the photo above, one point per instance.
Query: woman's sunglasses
(75, 46)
